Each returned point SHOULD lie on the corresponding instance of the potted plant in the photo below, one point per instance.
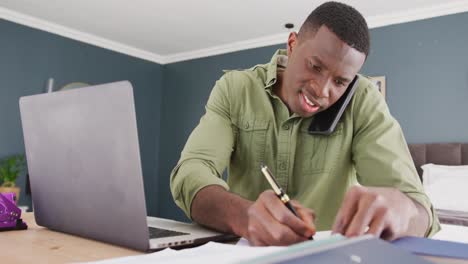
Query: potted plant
(10, 169)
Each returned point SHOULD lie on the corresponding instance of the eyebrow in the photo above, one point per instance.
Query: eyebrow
(317, 59)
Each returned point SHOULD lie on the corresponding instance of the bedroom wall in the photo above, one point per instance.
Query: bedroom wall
(426, 66)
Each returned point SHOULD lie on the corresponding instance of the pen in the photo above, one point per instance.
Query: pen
(278, 190)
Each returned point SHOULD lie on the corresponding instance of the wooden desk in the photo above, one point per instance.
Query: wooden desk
(40, 245)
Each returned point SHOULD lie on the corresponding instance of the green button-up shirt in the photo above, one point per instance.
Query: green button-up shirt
(246, 124)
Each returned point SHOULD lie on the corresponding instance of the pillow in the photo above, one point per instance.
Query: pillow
(446, 186)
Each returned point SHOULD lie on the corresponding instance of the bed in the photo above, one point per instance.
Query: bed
(452, 154)
(439, 153)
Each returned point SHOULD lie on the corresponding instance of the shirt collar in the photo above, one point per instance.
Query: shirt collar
(279, 60)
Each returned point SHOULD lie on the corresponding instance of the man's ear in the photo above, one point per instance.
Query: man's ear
(292, 42)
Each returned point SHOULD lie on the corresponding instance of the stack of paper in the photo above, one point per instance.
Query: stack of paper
(211, 252)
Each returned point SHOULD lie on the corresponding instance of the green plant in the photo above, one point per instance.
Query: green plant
(10, 168)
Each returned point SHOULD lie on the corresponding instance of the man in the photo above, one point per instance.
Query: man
(261, 115)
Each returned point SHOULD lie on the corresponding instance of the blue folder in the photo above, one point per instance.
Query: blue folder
(363, 250)
(433, 247)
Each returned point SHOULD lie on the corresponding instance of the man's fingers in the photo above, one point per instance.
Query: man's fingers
(264, 230)
(386, 212)
(265, 227)
(282, 235)
(274, 233)
(347, 210)
(377, 225)
(284, 216)
(260, 237)
(256, 242)
(255, 228)
(306, 214)
(363, 216)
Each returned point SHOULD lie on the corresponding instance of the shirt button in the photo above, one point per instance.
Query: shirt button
(286, 127)
(246, 125)
(283, 165)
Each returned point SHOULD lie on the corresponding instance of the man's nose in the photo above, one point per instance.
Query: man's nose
(322, 90)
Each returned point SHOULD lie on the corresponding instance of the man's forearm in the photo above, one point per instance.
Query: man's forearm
(219, 209)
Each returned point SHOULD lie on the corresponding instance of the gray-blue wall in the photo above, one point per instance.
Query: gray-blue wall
(425, 63)
(28, 57)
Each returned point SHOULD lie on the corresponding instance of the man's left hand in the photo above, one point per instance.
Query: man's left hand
(384, 212)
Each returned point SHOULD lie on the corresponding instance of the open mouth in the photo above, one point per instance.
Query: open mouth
(308, 101)
(307, 104)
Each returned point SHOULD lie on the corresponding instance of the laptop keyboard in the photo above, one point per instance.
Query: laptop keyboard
(159, 232)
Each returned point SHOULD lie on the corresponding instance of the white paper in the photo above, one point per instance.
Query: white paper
(211, 252)
(214, 252)
(317, 236)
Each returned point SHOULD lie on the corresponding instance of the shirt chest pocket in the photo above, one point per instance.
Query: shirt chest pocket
(318, 153)
(251, 138)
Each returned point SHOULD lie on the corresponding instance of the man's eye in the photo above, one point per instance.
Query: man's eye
(314, 67)
(339, 82)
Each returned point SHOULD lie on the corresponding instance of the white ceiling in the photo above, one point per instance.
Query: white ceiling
(175, 30)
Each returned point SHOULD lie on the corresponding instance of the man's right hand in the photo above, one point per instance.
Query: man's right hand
(270, 222)
(264, 222)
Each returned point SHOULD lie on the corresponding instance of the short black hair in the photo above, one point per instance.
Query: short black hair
(343, 20)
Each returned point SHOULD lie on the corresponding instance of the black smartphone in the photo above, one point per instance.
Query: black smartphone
(324, 123)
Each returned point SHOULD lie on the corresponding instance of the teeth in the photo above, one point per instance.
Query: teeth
(308, 101)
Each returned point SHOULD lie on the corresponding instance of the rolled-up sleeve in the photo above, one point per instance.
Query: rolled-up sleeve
(380, 152)
(207, 151)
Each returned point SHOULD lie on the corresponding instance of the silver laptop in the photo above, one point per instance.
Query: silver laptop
(85, 172)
